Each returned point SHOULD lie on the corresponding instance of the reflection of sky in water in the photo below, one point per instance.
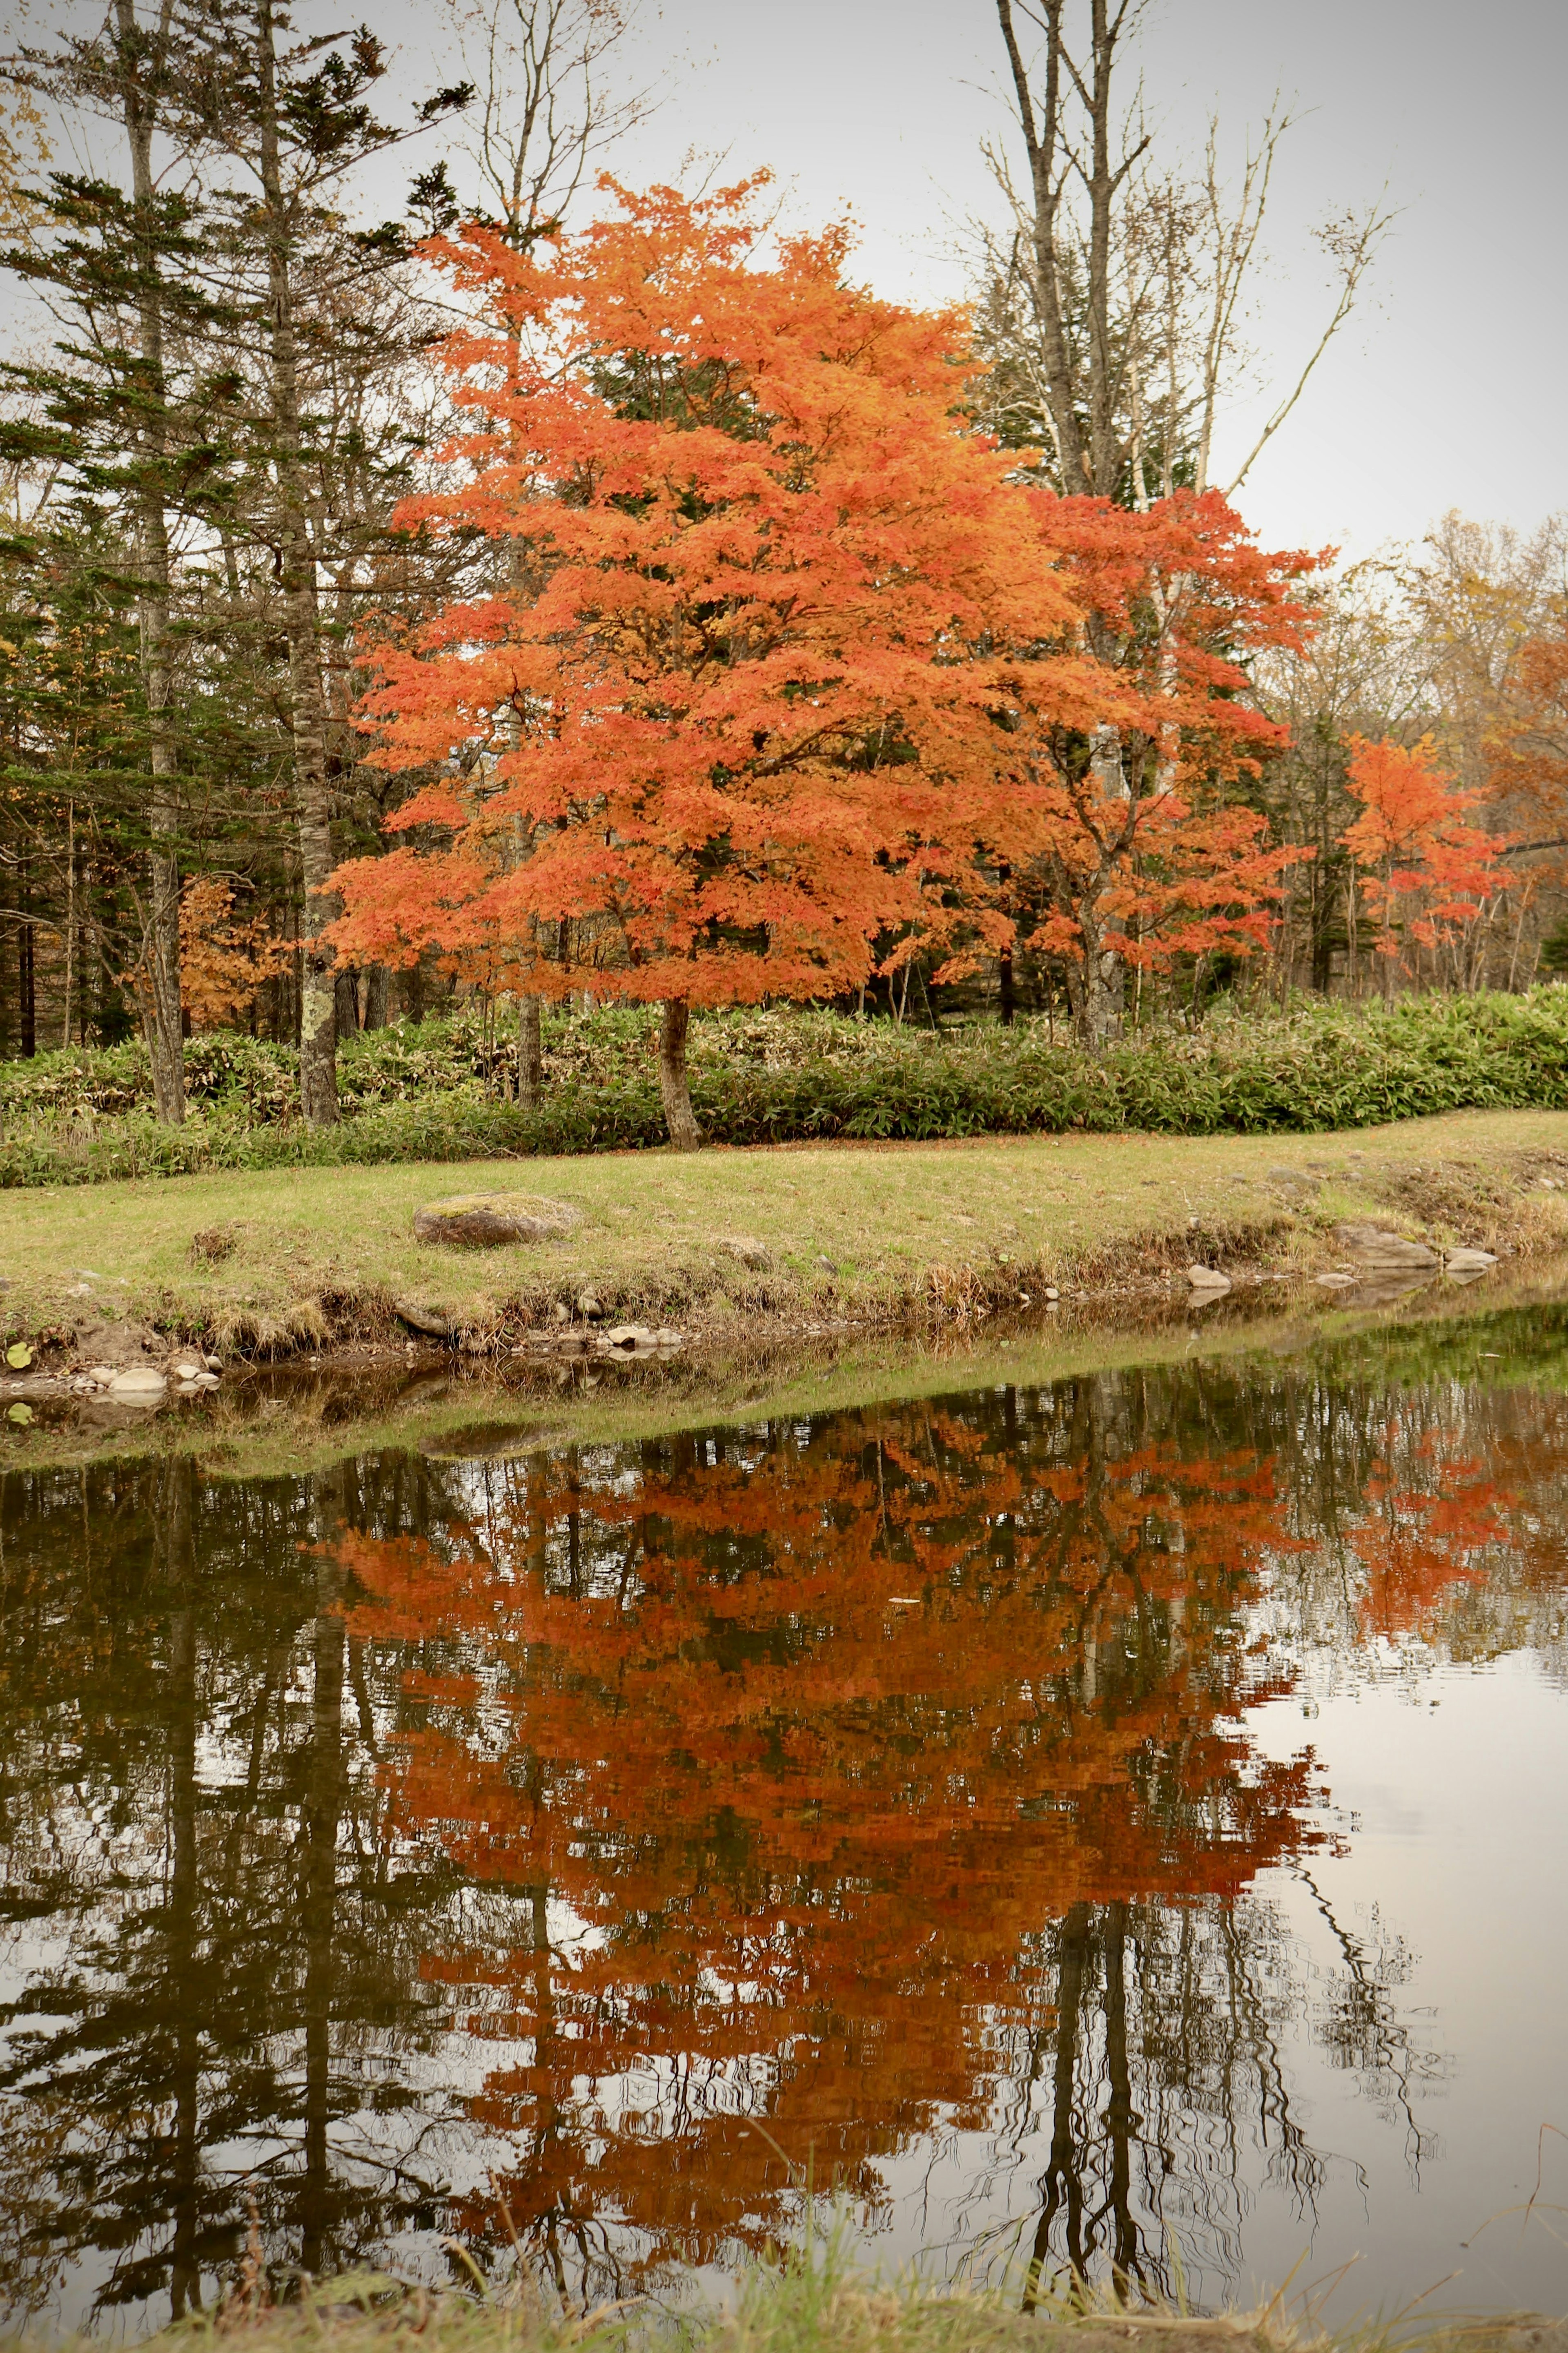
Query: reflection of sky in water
(1350, 2057)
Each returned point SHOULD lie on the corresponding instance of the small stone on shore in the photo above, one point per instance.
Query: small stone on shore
(431, 1321)
(1207, 1278)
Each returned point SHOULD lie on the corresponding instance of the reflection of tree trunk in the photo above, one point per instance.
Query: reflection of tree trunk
(1063, 2183)
(1121, 2119)
(323, 1812)
(185, 2264)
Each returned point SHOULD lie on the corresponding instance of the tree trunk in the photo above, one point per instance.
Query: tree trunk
(162, 946)
(530, 1052)
(1101, 1003)
(1388, 931)
(1080, 387)
(675, 1016)
(345, 1000)
(312, 798)
(1105, 977)
(1006, 978)
(377, 985)
(26, 987)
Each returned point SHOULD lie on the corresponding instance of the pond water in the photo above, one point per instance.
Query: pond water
(1118, 1824)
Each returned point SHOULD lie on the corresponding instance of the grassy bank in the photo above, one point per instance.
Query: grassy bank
(439, 1091)
(727, 1240)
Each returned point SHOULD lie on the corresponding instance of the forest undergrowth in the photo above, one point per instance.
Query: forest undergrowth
(445, 1088)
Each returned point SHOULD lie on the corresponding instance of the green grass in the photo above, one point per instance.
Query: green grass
(439, 1091)
(320, 1254)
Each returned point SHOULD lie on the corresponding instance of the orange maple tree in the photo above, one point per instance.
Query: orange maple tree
(1137, 842)
(1426, 870)
(732, 714)
(1527, 761)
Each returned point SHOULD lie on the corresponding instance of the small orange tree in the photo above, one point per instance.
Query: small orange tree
(224, 959)
(1139, 845)
(734, 714)
(1425, 868)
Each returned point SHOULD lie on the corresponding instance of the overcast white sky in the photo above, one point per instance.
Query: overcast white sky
(1444, 390)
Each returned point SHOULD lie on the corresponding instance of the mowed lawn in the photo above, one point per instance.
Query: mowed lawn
(859, 1225)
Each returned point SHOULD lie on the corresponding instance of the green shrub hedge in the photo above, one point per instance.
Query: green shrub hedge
(430, 1094)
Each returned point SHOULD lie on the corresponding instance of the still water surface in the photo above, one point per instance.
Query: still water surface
(1119, 1825)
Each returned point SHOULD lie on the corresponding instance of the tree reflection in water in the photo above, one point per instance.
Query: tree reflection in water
(576, 1851)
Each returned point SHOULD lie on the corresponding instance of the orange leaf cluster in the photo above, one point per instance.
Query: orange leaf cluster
(1421, 857)
(1147, 852)
(224, 962)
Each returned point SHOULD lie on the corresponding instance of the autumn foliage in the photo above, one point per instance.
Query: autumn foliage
(1144, 846)
(731, 720)
(226, 959)
(1425, 868)
(782, 671)
(1528, 751)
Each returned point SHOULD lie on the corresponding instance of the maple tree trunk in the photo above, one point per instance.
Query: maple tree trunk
(675, 1016)
(376, 990)
(312, 798)
(1007, 977)
(1100, 1019)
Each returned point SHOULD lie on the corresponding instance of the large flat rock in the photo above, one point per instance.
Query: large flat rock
(1375, 1248)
